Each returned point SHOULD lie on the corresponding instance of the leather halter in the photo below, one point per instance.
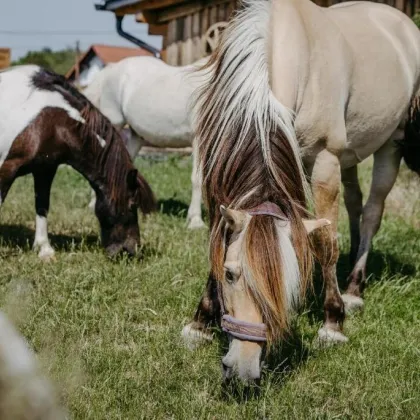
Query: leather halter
(244, 330)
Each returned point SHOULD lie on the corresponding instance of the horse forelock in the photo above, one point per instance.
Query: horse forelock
(264, 269)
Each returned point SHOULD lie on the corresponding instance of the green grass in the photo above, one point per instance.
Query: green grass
(108, 333)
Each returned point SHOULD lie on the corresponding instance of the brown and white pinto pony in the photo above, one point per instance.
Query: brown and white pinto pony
(296, 89)
(45, 122)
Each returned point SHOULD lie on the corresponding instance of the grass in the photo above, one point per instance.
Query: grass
(108, 333)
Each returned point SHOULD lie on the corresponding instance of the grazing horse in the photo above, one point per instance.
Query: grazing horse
(45, 122)
(153, 99)
(293, 83)
(25, 394)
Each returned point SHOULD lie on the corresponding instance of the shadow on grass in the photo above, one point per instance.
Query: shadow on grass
(173, 207)
(378, 263)
(22, 237)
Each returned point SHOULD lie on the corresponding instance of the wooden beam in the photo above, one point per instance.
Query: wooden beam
(185, 9)
(140, 18)
(132, 9)
(158, 29)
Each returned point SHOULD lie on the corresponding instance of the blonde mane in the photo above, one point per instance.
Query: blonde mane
(249, 154)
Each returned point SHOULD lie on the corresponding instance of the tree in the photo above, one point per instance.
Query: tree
(58, 61)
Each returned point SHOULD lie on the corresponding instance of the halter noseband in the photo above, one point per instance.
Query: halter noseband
(243, 330)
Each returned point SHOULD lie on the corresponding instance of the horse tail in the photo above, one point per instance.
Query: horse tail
(410, 146)
(94, 91)
(146, 199)
(24, 392)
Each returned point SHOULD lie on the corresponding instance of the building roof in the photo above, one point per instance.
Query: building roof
(114, 4)
(107, 54)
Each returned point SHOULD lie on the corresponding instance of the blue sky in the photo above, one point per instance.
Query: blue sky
(33, 24)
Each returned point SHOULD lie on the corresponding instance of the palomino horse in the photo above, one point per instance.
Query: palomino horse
(25, 393)
(347, 74)
(45, 122)
(153, 98)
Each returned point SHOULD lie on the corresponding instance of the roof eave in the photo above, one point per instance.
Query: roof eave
(111, 6)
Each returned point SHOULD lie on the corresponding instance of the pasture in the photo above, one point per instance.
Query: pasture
(108, 333)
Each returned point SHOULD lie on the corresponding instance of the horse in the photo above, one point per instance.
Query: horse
(296, 90)
(25, 393)
(46, 122)
(153, 99)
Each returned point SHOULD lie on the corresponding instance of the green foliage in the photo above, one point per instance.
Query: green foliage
(58, 61)
(108, 333)
(416, 19)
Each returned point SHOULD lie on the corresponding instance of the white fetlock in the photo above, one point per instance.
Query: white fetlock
(194, 338)
(46, 253)
(329, 336)
(195, 222)
(352, 303)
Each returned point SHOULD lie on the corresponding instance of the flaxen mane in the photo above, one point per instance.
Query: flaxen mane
(104, 141)
(249, 154)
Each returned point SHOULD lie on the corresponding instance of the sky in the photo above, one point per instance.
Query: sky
(34, 24)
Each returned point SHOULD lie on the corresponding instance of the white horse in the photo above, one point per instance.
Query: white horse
(152, 98)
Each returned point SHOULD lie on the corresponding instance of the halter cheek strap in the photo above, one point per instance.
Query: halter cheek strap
(243, 330)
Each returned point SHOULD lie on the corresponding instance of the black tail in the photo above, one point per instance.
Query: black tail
(410, 146)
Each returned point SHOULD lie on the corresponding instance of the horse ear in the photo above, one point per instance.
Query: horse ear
(311, 225)
(132, 179)
(235, 219)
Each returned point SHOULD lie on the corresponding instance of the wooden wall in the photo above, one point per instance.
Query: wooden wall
(4, 58)
(185, 39)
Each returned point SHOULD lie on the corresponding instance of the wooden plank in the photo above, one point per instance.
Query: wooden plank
(185, 9)
(161, 29)
(171, 36)
(132, 9)
(204, 17)
(213, 15)
(4, 58)
(187, 52)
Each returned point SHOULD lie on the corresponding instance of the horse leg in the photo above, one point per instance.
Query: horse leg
(325, 181)
(353, 200)
(43, 180)
(8, 173)
(208, 311)
(385, 170)
(134, 143)
(194, 217)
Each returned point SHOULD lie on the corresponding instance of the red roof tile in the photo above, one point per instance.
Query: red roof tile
(108, 54)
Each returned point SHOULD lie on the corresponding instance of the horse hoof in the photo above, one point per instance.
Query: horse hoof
(352, 303)
(196, 222)
(46, 254)
(194, 338)
(328, 336)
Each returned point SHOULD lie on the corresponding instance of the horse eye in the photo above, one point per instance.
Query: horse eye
(229, 276)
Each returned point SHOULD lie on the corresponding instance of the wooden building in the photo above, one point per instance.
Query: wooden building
(4, 58)
(191, 28)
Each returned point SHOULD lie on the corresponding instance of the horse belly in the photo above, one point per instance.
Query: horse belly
(160, 125)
